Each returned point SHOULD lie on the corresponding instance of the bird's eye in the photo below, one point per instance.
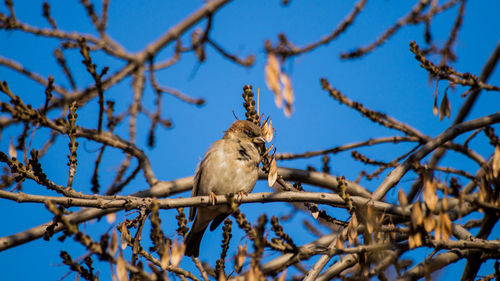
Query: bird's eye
(248, 133)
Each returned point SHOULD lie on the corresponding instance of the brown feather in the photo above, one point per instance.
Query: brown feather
(229, 166)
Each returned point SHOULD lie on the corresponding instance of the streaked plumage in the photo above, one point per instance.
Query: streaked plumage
(229, 166)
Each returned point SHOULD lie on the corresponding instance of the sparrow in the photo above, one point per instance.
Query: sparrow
(230, 166)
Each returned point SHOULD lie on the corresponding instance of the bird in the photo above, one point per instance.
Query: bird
(230, 166)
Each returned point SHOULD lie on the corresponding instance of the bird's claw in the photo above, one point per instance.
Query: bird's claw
(240, 194)
(212, 198)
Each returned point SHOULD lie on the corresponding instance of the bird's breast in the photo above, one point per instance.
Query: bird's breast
(229, 167)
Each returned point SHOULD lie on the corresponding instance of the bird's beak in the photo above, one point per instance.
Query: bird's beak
(259, 140)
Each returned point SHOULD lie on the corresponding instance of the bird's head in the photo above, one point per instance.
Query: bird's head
(245, 131)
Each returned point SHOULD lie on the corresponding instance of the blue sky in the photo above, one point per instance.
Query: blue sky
(388, 80)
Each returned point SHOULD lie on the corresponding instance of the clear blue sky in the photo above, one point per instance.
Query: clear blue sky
(388, 80)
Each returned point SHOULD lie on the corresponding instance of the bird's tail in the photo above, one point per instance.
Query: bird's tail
(193, 241)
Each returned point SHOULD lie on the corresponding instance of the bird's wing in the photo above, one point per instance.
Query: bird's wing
(201, 181)
(200, 170)
(196, 184)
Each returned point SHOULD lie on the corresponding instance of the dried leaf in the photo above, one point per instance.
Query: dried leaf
(177, 253)
(438, 229)
(315, 215)
(165, 258)
(273, 173)
(417, 217)
(445, 203)
(110, 218)
(12, 150)
(124, 236)
(417, 239)
(370, 221)
(113, 246)
(445, 108)
(495, 164)
(352, 233)
(411, 242)
(352, 236)
(267, 130)
(429, 223)
(447, 228)
(287, 93)
(483, 193)
(430, 197)
(121, 270)
(254, 274)
(264, 128)
(369, 227)
(339, 244)
(287, 88)
(403, 201)
(270, 131)
(240, 257)
(272, 78)
(380, 218)
(250, 275)
(354, 221)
